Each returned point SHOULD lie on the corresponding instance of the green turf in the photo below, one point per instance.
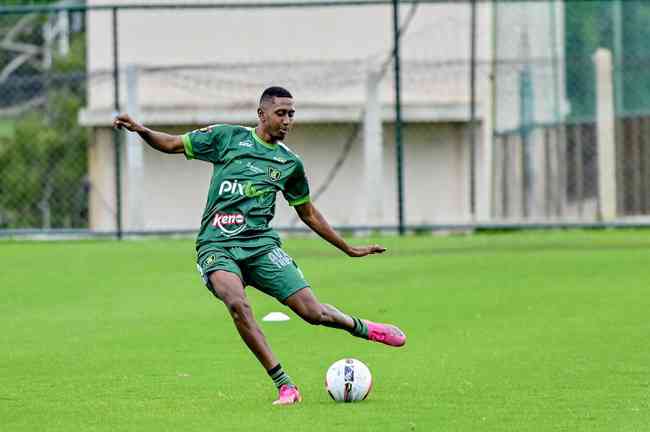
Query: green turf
(510, 332)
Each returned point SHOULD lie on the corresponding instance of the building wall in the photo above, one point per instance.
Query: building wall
(101, 173)
(529, 36)
(224, 57)
(174, 189)
(203, 66)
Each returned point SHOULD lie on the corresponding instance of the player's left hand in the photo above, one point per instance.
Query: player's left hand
(361, 251)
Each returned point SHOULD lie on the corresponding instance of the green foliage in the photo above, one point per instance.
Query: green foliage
(12, 91)
(636, 53)
(75, 61)
(44, 167)
(589, 25)
(27, 2)
(43, 164)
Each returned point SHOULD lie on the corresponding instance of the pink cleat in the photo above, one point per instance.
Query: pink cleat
(385, 333)
(288, 395)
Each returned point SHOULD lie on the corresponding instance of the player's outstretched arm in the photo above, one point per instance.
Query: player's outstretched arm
(161, 141)
(310, 215)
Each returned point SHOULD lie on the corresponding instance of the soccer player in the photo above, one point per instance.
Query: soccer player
(235, 245)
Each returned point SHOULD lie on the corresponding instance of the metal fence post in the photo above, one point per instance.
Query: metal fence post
(399, 150)
(472, 112)
(116, 134)
(526, 107)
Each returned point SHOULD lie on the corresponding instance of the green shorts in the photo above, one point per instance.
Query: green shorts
(267, 268)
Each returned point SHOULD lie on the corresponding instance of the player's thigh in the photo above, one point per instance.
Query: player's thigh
(275, 273)
(227, 286)
(227, 273)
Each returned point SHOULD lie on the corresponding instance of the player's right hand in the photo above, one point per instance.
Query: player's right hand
(125, 120)
(361, 251)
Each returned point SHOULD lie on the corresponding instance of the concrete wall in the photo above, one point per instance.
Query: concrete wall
(322, 54)
(205, 66)
(529, 35)
(220, 60)
(174, 189)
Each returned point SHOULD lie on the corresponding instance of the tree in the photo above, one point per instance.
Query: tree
(583, 35)
(589, 26)
(43, 166)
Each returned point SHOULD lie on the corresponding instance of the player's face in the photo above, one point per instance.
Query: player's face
(277, 117)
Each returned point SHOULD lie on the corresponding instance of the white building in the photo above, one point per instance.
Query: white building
(182, 69)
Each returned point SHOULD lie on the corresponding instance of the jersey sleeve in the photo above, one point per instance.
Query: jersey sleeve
(207, 143)
(296, 190)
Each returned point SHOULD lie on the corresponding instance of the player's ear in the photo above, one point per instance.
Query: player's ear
(260, 114)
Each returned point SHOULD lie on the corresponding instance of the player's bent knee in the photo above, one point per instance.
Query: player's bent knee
(239, 309)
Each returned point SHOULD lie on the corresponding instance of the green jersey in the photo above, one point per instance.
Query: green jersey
(248, 172)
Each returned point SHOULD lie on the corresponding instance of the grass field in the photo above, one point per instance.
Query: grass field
(507, 332)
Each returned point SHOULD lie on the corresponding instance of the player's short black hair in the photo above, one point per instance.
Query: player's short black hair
(274, 91)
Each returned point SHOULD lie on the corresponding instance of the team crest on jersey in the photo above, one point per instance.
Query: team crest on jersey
(274, 174)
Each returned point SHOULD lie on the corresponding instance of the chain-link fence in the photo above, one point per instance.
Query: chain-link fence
(547, 103)
(499, 106)
(43, 166)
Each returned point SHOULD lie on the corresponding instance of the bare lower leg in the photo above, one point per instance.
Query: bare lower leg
(254, 338)
(332, 317)
(305, 304)
(230, 290)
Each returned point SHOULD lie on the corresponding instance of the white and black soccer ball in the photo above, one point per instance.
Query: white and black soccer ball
(348, 380)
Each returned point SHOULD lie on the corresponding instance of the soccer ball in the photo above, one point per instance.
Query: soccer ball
(348, 380)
